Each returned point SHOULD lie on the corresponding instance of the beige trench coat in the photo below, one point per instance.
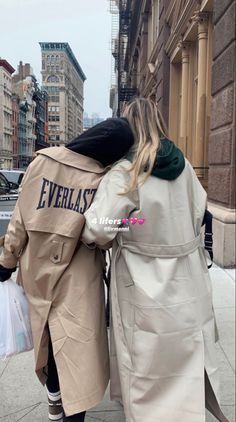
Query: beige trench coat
(162, 328)
(62, 278)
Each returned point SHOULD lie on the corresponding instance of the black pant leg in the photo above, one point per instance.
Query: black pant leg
(53, 384)
(78, 417)
(52, 381)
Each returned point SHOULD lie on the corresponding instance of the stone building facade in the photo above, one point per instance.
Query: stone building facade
(6, 71)
(24, 85)
(15, 130)
(22, 137)
(182, 54)
(221, 188)
(63, 79)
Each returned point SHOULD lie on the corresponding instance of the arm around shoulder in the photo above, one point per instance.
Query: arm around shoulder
(109, 207)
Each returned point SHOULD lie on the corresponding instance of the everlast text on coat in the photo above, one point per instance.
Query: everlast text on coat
(53, 195)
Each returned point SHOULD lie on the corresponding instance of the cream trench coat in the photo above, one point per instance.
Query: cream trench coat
(162, 328)
(62, 278)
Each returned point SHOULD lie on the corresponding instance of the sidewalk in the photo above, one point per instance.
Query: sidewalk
(22, 398)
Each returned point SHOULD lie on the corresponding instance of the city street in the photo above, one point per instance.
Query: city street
(24, 399)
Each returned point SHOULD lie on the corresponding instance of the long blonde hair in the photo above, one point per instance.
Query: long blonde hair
(148, 127)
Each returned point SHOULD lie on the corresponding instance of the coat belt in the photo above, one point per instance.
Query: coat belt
(161, 251)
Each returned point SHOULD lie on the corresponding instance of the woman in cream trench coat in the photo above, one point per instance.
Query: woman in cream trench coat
(163, 332)
(62, 278)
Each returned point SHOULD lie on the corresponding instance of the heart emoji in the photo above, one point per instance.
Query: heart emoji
(133, 220)
(125, 221)
(141, 220)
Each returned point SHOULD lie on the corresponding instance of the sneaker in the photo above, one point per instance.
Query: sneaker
(55, 411)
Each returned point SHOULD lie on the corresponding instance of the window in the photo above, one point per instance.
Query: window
(53, 128)
(53, 78)
(155, 20)
(54, 118)
(52, 89)
(54, 99)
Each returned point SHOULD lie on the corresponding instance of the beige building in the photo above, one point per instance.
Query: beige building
(63, 79)
(6, 71)
(182, 54)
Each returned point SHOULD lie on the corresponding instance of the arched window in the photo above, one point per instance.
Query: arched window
(53, 78)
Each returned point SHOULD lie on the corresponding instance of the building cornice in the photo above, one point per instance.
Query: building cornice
(4, 63)
(64, 46)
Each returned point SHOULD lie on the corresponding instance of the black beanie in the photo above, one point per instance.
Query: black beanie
(106, 142)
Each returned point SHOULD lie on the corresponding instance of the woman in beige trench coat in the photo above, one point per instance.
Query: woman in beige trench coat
(62, 278)
(163, 364)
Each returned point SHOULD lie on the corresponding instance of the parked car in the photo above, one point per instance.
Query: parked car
(14, 176)
(5, 186)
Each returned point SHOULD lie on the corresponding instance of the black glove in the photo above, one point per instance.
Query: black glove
(5, 273)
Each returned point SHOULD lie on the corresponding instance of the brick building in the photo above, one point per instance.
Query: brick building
(182, 54)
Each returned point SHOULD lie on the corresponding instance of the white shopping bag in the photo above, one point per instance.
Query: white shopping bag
(15, 329)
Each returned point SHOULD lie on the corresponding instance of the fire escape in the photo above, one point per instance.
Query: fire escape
(114, 10)
(125, 90)
(121, 26)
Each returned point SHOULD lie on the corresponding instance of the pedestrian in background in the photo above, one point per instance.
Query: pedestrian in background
(163, 365)
(62, 277)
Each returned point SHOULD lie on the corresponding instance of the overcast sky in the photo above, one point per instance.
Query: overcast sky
(84, 24)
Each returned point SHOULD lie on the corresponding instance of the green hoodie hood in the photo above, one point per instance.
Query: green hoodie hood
(170, 161)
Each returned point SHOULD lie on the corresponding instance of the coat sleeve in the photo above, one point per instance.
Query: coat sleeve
(109, 207)
(14, 240)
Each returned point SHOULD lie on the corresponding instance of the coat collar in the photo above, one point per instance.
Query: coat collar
(72, 159)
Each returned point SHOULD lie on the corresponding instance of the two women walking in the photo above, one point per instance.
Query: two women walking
(149, 207)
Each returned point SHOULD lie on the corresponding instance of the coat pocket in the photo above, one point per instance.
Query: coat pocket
(50, 249)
